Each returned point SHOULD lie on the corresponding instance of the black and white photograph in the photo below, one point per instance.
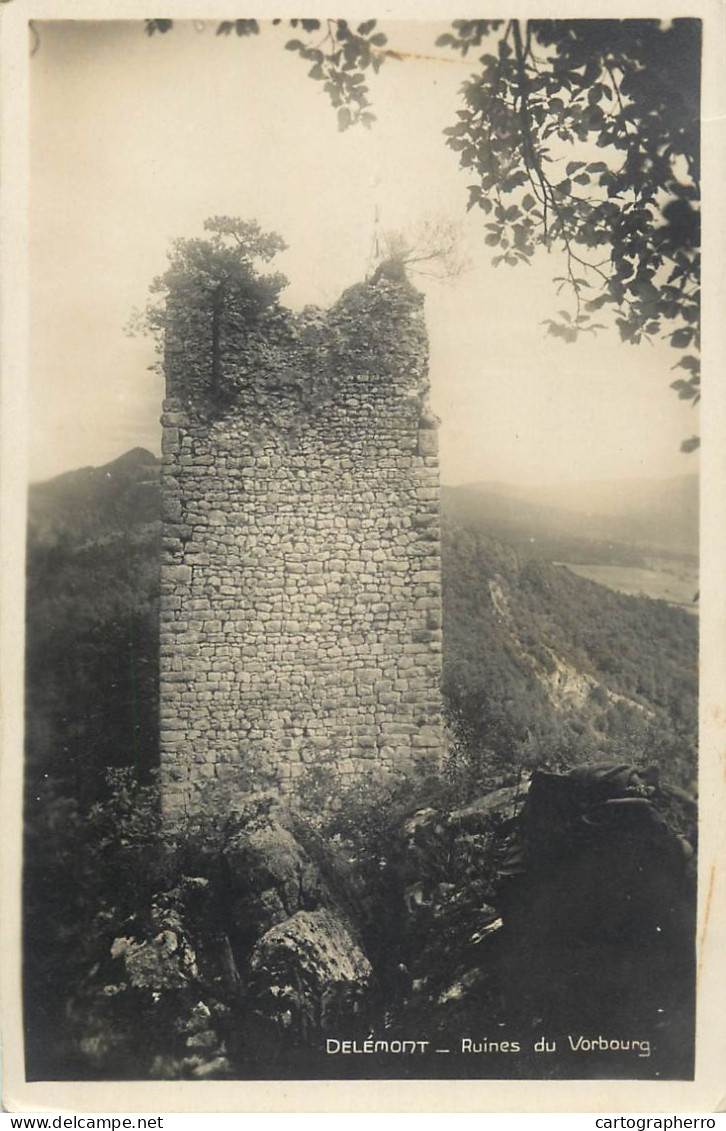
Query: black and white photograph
(362, 583)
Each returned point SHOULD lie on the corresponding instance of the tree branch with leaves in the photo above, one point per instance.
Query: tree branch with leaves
(581, 135)
(628, 224)
(208, 277)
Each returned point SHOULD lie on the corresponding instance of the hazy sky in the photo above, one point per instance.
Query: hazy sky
(136, 140)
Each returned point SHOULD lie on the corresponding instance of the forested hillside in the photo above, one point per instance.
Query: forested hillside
(92, 632)
(542, 666)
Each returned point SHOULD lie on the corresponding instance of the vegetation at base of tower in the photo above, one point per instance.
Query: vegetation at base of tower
(150, 955)
(544, 96)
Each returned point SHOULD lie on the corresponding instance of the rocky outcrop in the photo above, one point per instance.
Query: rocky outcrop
(309, 976)
(269, 877)
(565, 901)
(251, 960)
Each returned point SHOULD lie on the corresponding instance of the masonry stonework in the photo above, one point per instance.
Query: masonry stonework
(301, 580)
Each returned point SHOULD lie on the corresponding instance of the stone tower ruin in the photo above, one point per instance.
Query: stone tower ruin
(301, 580)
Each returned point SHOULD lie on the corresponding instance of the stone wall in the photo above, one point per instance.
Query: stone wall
(301, 584)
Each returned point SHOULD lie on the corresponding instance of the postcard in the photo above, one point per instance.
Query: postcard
(363, 634)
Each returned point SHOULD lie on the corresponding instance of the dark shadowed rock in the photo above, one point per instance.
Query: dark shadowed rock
(505, 803)
(308, 974)
(270, 877)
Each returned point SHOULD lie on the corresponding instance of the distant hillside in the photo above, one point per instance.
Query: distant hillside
(540, 665)
(92, 621)
(673, 501)
(615, 523)
(94, 501)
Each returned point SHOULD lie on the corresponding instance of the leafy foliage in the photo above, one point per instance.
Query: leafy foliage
(90, 871)
(123, 921)
(546, 97)
(205, 277)
(340, 55)
(227, 259)
(630, 89)
(223, 319)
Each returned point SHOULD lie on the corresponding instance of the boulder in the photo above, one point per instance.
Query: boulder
(307, 976)
(501, 804)
(597, 898)
(268, 878)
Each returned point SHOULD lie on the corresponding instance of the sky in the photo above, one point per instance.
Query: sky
(135, 140)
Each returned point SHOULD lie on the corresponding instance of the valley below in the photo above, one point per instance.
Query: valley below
(662, 579)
